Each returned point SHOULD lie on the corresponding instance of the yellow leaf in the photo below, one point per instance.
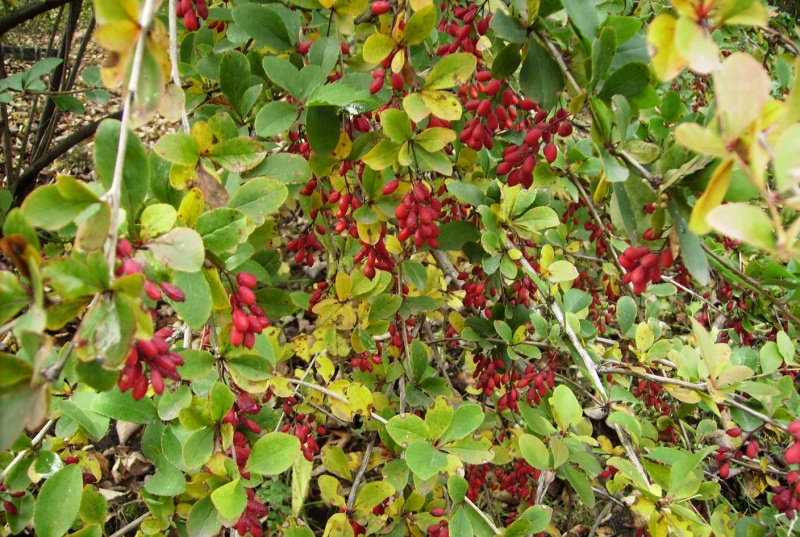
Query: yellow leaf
(667, 61)
(687, 8)
(325, 368)
(343, 286)
(202, 134)
(369, 233)
(415, 107)
(694, 42)
(712, 197)
(742, 87)
(117, 36)
(191, 207)
(377, 47)
(700, 139)
(442, 104)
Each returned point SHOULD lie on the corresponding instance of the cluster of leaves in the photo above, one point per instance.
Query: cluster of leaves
(414, 268)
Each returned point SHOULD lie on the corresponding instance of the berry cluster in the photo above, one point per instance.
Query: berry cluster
(303, 428)
(9, 506)
(377, 256)
(520, 160)
(304, 248)
(129, 265)
(644, 266)
(417, 215)
(160, 361)
(379, 79)
(192, 11)
(364, 362)
(490, 116)
(440, 529)
(250, 521)
(246, 325)
(236, 416)
(464, 38)
(474, 287)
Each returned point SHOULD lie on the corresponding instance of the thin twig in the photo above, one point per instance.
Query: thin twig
(351, 499)
(483, 516)
(130, 525)
(173, 58)
(114, 192)
(600, 517)
(559, 59)
(21, 455)
(332, 395)
(753, 284)
(588, 363)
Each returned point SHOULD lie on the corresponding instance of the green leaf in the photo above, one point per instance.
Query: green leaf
(424, 460)
(237, 154)
(457, 488)
(534, 452)
(540, 78)
(420, 25)
(58, 502)
(54, 206)
(603, 49)
(396, 125)
(466, 419)
(203, 517)
(508, 28)
(78, 408)
(629, 80)
(322, 125)
(506, 62)
(230, 499)
(93, 506)
(460, 525)
(167, 481)
(539, 517)
(626, 313)
(234, 80)
(580, 482)
(179, 249)
(372, 495)
(222, 229)
(383, 155)
(198, 448)
(121, 406)
(157, 219)
(196, 309)
(744, 222)
(584, 16)
(325, 53)
(451, 70)
(15, 299)
(407, 429)
(275, 118)
(787, 159)
(221, 398)
(566, 408)
(273, 453)
(178, 148)
(694, 257)
(265, 25)
(69, 103)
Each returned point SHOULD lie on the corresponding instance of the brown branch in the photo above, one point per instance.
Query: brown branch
(28, 12)
(27, 179)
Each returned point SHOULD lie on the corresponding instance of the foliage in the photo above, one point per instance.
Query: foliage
(416, 268)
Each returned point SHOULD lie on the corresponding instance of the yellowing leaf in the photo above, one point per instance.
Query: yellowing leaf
(742, 88)
(343, 286)
(700, 139)
(694, 42)
(415, 107)
(667, 61)
(451, 70)
(377, 47)
(712, 197)
(787, 159)
(442, 104)
(744, 222)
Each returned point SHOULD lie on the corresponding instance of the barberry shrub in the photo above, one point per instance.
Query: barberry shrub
(412, 267)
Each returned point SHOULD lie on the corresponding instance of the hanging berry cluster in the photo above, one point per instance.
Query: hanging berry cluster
(192, 12)
(246, 324)
(160, 362)
(417, 215)
(520, 160)
(644, 266)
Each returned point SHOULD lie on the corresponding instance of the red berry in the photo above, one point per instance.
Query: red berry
(379, 7)
(173, 292)
(792, 454)
(550, 153)
(190, 21)
(246, 295)
(725, 470)
(139, 388)
(246, 279)
(303, 47)
(734, 432)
